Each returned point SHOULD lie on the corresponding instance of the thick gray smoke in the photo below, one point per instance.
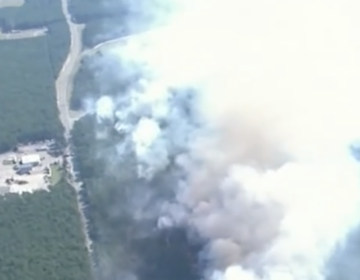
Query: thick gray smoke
(263, 137)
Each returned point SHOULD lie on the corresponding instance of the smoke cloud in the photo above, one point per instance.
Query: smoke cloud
(257, 103)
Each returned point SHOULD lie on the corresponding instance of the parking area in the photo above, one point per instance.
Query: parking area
(29, 168)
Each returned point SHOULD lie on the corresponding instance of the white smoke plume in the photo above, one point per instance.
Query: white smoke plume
(263, 136)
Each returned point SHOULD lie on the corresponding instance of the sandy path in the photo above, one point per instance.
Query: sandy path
(64, 85)
(121, 40)
(23, 34)
(11, 3)
(65, 80)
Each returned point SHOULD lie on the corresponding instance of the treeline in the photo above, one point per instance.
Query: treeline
(120, 208)
(110, 19)
(27, 94)
(41, 236)
(83, 11)
(33, 14)
(41, 14)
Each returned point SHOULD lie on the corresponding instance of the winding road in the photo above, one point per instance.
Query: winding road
(65, 80)
(63, 86)
(120, 40)
(138, 38)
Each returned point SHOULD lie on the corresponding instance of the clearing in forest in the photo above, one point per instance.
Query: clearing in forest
(11, 3)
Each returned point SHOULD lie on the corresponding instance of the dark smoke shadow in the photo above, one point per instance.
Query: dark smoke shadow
(344, 264)
(169, 254)
(129, 245)
(165, 254)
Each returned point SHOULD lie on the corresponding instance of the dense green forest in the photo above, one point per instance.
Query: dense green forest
(38, 14)
(97, 31)
(84, 85)
(98, 16)
(110, 19)
(98, 75)
(28, 99)
(116, 198)
(28, 96)
(42, 237)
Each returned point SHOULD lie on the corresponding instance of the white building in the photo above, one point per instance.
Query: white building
(30, 159)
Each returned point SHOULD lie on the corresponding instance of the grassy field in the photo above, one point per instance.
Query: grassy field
(56, 174)
(11, 3)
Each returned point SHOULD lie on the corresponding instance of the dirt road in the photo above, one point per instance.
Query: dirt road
(125, 39)
(65, 80)
(11, 3)
(63, 91)
(64, 87)
(23, 34)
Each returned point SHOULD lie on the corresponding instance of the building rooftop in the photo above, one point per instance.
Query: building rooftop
(32, 158)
